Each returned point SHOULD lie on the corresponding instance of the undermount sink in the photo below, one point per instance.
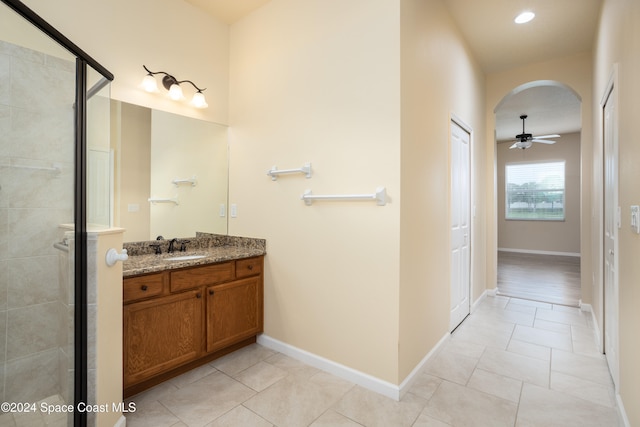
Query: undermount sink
(185, 257)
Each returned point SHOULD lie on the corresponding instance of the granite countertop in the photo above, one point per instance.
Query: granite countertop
(215, 248)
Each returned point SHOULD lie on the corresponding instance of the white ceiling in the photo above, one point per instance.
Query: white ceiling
(550, 109)
(561, 28)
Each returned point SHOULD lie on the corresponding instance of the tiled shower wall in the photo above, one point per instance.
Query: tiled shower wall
(36, 196)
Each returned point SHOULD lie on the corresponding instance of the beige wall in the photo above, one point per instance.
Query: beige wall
(439, 79)
(16, 30)
(576, 73)
(105, 326)
(171, 36)
(543, 236)
(348, 280)
(318, 81)
(618, 42)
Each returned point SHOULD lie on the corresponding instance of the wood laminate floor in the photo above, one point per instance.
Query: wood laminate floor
(548, 278)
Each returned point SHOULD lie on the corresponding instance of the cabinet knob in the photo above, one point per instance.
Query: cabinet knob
(250, 267)
(211, 292)
(198, 295)
(144, 287)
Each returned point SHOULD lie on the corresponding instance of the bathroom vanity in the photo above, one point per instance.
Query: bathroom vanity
(184, 309)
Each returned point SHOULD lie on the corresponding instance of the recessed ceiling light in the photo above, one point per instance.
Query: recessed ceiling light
(524, 17)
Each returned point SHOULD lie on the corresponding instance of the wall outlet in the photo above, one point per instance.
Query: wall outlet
(234, 210)
(635, 219)
(223, 210)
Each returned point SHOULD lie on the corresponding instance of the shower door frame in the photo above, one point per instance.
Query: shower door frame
(80, 197)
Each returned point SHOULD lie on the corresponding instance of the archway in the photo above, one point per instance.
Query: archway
(538, 220)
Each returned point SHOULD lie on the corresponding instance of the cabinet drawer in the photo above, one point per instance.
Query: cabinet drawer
(142, 287)
(248, 267)
(208, 275)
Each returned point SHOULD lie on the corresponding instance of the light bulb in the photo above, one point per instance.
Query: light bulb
(199, 101)
(175, 92)
(149, 83)
(524, 17)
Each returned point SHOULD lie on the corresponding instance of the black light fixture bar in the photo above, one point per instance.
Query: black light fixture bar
(172, 84)
(169, 80)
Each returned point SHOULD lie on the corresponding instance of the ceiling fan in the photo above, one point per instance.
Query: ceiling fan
(526, 140)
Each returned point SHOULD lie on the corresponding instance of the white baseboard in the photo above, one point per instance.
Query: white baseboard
(621, 412)
(492, 292)
(483, 296)
(122, 422)
(532, 251)
(619, 405)
(413, 376)
(365, 380)
(588, 308)
(585, 307)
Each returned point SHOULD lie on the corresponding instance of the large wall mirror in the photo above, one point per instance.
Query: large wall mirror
(171, 173)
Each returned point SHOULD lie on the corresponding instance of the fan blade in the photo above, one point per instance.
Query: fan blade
(543, 141)
(555, 135)
(515, 145)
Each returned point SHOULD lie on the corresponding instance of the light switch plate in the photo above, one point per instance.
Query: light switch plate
(635, 219)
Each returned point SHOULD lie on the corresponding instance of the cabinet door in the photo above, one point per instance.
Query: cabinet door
(161, 334)
(234, 312)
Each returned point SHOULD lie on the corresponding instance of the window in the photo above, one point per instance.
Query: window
(535, 191)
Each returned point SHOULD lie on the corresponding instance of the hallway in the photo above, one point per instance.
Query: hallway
(512, 363)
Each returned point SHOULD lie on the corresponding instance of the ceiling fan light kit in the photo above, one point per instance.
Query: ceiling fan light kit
(526, 140)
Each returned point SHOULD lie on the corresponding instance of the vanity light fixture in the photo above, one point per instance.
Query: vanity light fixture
(172, 84)
(524, 17)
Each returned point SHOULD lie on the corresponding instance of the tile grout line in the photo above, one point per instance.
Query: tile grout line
(254, 412)
(180, 420)
(515, 421)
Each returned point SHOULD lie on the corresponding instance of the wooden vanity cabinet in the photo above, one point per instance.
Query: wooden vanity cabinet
(187, 317)
(161, 334)
(234, 312)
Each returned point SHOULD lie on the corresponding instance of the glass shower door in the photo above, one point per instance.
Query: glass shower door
(39, 268)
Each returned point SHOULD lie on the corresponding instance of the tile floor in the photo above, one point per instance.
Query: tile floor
(511, 363)
(34, 417)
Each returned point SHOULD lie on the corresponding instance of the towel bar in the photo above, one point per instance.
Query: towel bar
(274, 171)
(380, 196)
